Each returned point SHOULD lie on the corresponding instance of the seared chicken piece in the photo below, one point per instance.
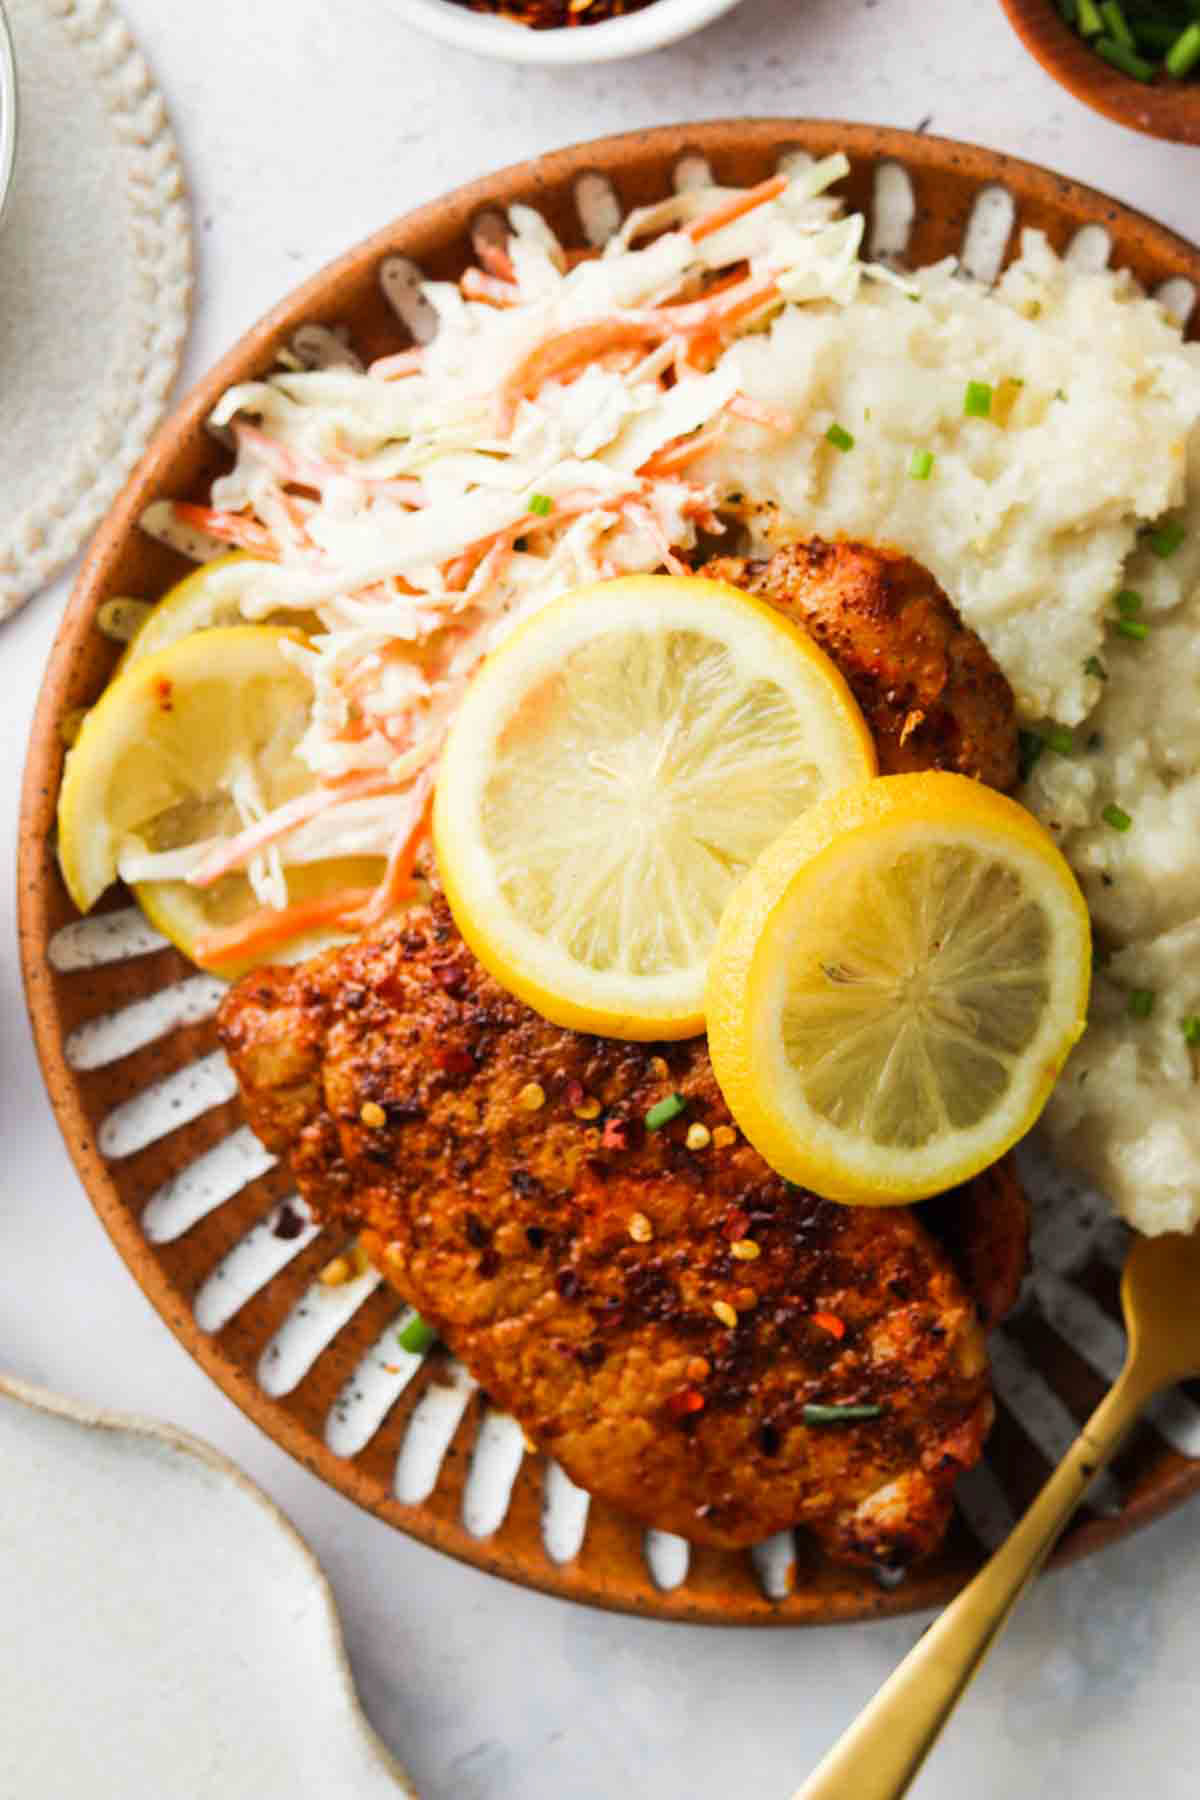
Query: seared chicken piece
(663, 1319)
(985, 1226)
(658, 1318)
(928, 688)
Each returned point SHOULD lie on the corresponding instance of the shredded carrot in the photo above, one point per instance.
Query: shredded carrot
(642, 515)
(239, 848)
(458, 572)
(619, 362)
(305, 471)
(757, 295)
(315, 471)
(742, 407)
(404, 362)
(271, 926)
(568, 350)
(495, 258)
(831, 1323)
(736, 207)
(231, 528)
(397, 877)
(476, 285)
(721, 285)
(677, 455)
(707, 314)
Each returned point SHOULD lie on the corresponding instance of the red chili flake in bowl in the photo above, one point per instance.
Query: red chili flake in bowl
(831, 1323)
(614, 1136)
(550, 15)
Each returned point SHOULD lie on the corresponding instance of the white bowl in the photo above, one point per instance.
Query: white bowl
(662, 22)
(8, 111)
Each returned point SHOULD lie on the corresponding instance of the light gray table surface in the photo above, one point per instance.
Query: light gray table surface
(305, 124)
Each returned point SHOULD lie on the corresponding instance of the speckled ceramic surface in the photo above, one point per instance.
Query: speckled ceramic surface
(177, 1636)
(209, 1226)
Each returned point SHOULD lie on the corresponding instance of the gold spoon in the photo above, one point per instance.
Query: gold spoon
(879, 1755)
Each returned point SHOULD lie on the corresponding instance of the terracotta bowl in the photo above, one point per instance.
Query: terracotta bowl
(1162, 108)
(146, 1104)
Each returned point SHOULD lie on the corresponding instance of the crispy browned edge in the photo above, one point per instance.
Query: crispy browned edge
(182, 456)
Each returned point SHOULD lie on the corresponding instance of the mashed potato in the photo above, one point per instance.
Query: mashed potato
(1033, 521)
(1126, 1108)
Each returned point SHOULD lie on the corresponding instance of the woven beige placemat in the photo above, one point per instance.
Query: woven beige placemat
(95, 282)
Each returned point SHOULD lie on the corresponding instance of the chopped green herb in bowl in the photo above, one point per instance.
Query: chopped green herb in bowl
(1142, 38)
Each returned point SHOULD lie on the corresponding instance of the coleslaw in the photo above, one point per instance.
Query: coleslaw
(545, 437)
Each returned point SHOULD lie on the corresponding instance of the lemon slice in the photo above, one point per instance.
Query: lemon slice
(189, 916)
(206, 599)
(613, 771)
(155, 766)
(895, 987)
(157, 756)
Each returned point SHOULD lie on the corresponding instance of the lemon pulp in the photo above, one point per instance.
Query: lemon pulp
(896, 986)
(612, 773)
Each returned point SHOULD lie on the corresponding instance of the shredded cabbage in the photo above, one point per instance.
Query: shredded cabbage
(544, 438)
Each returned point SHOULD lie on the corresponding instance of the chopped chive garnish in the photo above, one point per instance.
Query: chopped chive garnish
(1184, 53)
(1166, 539)
(1129, 603)
(1128, 61)
(977, 401)
(1093, 666)
(1114, 18)
(921, 465)
(1141, 1003)
(665, 1110)
(1142, 38)
(1116, 816)
(1029, 748)
(1060, 740)
(541, 504)
(1137, 629)
(815, 1414)
(839, 437)
(1153, 34)
(1190, 1027)
(416, 1336)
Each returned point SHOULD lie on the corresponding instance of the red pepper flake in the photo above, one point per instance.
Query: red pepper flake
(686, 1400)
(613, 1137)
(831, 1323)
(575, 1092)
(454, 1060)
(736, 1226)
(163, 693)
(449, 975)
(549, 15)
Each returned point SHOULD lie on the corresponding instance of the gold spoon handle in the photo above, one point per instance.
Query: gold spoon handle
(879, 1755)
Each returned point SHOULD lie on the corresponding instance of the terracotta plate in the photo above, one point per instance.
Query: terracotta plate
(124, 1026)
